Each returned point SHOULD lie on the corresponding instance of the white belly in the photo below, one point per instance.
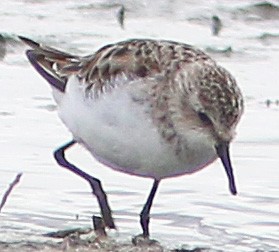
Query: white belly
(120, 133)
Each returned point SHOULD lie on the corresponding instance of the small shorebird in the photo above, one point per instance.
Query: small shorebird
(3, 49)
(149, 108)
(121, 16)
(216, 25)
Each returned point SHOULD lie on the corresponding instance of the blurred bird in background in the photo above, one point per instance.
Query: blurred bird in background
(3, 48)
(216, 25)
(121, 16)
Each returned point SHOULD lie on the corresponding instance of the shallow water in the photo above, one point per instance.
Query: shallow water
(194, 210)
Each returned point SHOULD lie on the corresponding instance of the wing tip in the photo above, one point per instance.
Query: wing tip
(29, 42)
(50, 78)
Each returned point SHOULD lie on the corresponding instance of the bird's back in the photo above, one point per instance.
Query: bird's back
(134, 58)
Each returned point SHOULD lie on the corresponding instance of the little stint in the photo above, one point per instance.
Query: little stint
(151, 108)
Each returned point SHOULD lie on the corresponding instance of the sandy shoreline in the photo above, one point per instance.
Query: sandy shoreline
(97, 246)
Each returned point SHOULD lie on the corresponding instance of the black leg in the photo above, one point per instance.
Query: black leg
(95, 184)
(144, 215)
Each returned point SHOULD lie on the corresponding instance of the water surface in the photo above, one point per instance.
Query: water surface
(194, 210)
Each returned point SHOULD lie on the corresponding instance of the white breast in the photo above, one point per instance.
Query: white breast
(120, 133)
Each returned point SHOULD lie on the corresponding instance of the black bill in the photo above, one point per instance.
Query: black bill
(223, 153)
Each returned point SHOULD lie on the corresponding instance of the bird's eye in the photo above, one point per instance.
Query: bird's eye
(204, 118)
